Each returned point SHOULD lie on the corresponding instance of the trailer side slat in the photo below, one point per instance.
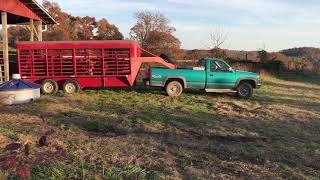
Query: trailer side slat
(62, 62)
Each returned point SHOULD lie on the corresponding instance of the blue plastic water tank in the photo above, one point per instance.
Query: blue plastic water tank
(18, 84)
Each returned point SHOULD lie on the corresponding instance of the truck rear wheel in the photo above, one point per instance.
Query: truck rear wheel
(174, 89)
(245, 90)
(49, 86)
(71, 87)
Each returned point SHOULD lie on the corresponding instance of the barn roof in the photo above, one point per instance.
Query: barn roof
(39, 10)
(21, 11)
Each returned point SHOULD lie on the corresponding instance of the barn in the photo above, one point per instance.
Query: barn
(20, 12)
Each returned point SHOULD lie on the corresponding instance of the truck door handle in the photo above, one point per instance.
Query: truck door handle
(211, 75)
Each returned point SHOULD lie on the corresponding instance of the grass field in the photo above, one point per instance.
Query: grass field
(142, 134)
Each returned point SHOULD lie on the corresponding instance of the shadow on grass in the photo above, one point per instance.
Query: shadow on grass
(300, 101)
(300, 77)
(292, 87)
(140, 89)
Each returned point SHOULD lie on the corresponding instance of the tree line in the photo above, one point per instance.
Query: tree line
(69, 27)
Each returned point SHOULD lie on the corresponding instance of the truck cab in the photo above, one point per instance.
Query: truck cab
(213, 75)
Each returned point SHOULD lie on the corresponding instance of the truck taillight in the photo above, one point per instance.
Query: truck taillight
(148, 74)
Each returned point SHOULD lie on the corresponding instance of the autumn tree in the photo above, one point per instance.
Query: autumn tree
(84, 27)
(68, 27)
(65, 29)
(107, 31)
(154, 32)
(18, 33)
(78, 28)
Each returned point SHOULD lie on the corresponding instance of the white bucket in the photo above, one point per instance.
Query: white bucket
(16, 76)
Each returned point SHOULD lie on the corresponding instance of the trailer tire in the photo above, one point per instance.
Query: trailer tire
(49, 86)
(174, 89)
(71, 87)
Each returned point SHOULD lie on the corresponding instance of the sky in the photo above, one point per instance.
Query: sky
(250, 24)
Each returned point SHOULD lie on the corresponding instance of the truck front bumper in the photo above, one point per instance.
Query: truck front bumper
(259, 84)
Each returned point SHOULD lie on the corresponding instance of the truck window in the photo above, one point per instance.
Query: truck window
(219, 66)
(201, 63)
(213, 67)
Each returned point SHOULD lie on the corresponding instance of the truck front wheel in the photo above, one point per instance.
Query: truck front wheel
(245, 90)
(174, 89)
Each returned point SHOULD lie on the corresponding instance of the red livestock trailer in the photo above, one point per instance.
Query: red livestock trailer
(74, 65)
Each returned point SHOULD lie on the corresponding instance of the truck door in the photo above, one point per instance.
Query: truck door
(219, 75)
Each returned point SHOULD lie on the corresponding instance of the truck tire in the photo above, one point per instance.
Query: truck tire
(71, 87)
(49, 86)
(174, 89)
(245, 90)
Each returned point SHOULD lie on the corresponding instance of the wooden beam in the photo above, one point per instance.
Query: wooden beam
(35, 31)
(31, 30)
(39, 30)
(4, 18)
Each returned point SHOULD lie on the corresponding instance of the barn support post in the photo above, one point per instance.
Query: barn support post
(31, 30)
(4, 18)
(39, 30)
(35, 30)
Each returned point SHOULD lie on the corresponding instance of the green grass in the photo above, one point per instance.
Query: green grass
(79, 170)
(139, 133)
(9, 133)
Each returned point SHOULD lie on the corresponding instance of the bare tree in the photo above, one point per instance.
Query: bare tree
(263, 54)
(218, 37)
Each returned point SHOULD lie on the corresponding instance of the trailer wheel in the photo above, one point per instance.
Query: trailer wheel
(49, 86)
(71, 87)
(174, 89)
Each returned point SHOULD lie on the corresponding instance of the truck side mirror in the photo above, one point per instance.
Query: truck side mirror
(230, 69)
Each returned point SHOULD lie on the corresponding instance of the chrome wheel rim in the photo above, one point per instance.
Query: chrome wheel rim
(70, 88)
(48, 87)
(174, 90)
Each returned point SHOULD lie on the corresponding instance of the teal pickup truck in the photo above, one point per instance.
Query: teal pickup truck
(215, 75)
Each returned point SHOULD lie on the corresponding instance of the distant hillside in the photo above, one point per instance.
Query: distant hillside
(309, 53)
(295, 59)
